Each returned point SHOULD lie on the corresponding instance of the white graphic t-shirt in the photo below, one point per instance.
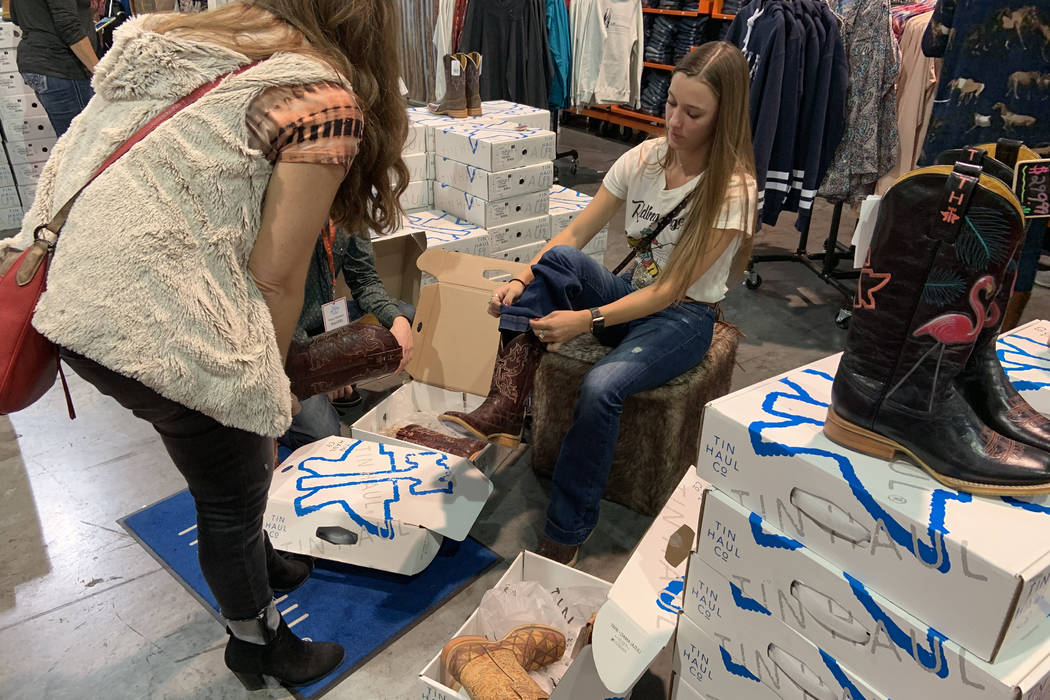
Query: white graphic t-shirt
(637, 178)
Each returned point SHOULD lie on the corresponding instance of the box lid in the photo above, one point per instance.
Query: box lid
(440, 227)
(641, 614)
(494, 132)
(454, 339)
(378, 485)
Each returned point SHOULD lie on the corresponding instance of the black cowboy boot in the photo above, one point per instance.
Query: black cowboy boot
(942, 244)
(983, 382)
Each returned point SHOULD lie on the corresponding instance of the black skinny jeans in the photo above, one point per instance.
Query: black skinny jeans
(228, 471)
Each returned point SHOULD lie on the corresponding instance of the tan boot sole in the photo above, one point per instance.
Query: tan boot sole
(504, 439)
(842, 432)
(474, 111)
(454, 113)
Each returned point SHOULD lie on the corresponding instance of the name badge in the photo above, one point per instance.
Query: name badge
(335, 314)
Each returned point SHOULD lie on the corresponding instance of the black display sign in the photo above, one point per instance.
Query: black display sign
(1032, 185)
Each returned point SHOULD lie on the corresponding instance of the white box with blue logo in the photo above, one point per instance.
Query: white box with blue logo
(519, 233)
(371, 504)
(491, 111)
(417, 167)
(418, 195)
(1025, 357)
(495, 146)
(777, 581)
(680, 690)
(736, 638)
(445, 230)
(498, 185)
(29, 129)
(522, 254)
(489, 214)
(973, 568)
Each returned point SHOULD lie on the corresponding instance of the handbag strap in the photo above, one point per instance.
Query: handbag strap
(651, 236)
(59, 220)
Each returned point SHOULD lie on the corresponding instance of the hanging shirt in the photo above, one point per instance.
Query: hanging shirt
(638, 178)
(620, 72)
(561, 53)
(588, 34)
(442, 43)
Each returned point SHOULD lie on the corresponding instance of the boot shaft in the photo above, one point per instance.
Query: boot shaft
(473, 83)
(454, 103)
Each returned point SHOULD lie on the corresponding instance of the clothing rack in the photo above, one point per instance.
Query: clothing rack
(824, 265)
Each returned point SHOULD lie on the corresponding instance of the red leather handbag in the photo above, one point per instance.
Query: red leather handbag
(28, 360)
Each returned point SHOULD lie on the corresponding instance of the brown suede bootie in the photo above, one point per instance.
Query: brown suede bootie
(486, 669)
(500, 418)
(454, 103)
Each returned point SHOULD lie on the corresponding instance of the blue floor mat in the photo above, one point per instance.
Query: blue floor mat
(362, 609)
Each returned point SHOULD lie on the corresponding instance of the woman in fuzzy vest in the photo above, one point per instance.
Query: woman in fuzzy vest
(179, 276)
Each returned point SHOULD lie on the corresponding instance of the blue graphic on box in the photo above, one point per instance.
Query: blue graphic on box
(933, 554)
(932, 658)
(1017, 354)
(843, 680)
(562, 198)
(745, 602)
(670, 598)
(316, 484)
(768, 539)
(735, 668)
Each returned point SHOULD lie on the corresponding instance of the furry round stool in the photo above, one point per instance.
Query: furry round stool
(659, 429)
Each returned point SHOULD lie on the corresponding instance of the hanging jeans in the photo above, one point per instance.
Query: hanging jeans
(228, 471)
(647, 353)
(61, 98)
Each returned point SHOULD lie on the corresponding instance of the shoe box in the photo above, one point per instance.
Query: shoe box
(490, 214)
(36, 151)
(638, 619)
(418, 195)
(11, 83)
(372, 504)
(519, 233)
(749, 576)
(491, 111)
(494, 186)
(522, 254)
(418, 168)
(1025, 357)
(455, 342)
(28, 129)
(494, 146)
(447, 231)
(975, 569)
(10, 35)
(566, 205)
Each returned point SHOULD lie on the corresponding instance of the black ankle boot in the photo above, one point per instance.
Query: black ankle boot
(286, 571)
(284, 656)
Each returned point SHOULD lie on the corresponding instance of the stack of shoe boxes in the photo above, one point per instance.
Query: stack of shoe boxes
(418, 195)
(27, 134)
(843, 575)
(497, 176)
(566, 205)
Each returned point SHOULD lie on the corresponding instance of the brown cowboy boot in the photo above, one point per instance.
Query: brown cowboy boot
(454, 103)
(500, 418)
(473, 83)
(531, 646)
(461, 447)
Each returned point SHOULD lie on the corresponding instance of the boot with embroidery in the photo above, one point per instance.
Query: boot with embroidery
(496, 670)
(454, 103)
(501, 417)
(473, 84)
(941, 248)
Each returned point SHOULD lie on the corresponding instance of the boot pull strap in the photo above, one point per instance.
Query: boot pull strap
(973, 155)
(955, 200)
(1006, 151)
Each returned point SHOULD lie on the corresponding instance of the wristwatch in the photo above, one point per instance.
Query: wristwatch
(597, 320)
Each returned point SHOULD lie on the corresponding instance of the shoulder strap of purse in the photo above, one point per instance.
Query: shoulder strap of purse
(651, 236)
(59, 220)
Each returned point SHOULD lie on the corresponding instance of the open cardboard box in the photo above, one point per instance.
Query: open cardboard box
(454, 346)
(371, 504)
(639, 617)
(936, 553)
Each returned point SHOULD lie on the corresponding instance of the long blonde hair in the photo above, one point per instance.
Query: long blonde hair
(358, 39)
(722, 68)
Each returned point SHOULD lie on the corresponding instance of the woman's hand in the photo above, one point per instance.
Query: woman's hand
(402, 332)
(505, 296)
(561, 326)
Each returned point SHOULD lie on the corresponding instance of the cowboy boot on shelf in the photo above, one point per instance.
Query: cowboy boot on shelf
(983, 382)
(454, 103)
(942, 244)
(499, 670)
(473, 84)
(501, 417)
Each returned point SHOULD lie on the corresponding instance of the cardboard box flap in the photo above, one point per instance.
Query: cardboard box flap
(641, 614)
(454, 337)
(378, 485)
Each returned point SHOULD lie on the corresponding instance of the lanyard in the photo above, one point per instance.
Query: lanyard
(328, 238)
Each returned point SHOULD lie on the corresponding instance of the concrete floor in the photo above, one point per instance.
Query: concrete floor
(86, 612)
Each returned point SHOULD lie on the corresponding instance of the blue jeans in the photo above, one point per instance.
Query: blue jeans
(647, 353)
(318, 418)
(62, 98)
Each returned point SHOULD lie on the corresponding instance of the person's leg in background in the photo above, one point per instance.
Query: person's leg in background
(63, 99)
(317, 420)
(653, 351)
(1027, 266)
(228, 472)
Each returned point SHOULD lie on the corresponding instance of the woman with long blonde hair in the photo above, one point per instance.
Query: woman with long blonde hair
(698, 181)
(179, 275)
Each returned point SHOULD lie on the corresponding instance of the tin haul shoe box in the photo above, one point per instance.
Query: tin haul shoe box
(418, 195)
(1026, 359)
(491, 111)
(417, 167)
(494, 186)
(737, 639)
(14, 109)
(776, 578)
(416, 139)
(931, 550)
(636, 622)
(519, 233)
(501, 212)
(36, 151)
(444, 230)
(522, 254)
(565, 206)
(372, 504)
(494, 146)
(29, 129)
(12, 84)
(455, 342)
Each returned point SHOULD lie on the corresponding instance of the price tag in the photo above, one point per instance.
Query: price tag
(335, 314)
(1032, 185)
